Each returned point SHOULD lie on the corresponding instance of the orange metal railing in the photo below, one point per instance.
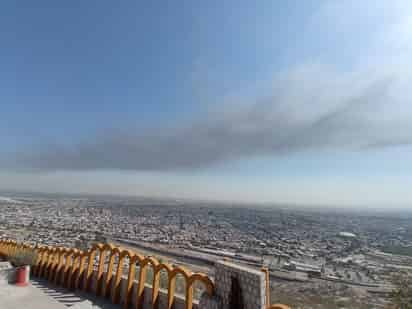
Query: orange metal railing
(75, 269)
(71, 267)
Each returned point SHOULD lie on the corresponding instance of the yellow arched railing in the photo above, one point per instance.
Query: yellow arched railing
(76, 269)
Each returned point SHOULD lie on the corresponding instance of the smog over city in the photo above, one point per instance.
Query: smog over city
(269, 134)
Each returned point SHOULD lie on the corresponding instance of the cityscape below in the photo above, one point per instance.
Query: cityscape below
(206, 154)
(315, 258)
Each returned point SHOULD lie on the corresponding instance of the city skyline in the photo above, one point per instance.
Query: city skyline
(296, 103)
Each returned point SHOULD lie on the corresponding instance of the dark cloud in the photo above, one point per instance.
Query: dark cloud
(287, 122)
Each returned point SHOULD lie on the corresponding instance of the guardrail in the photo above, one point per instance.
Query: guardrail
(77, 269)
(71, 267)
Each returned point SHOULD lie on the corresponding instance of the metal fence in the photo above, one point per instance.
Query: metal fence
(76, 269)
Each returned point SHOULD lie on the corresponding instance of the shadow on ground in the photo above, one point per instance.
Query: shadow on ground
(75, 299)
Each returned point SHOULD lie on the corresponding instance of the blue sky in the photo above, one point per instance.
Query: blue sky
(303, 102)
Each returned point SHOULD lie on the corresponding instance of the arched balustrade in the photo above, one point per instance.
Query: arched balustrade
(71, 268)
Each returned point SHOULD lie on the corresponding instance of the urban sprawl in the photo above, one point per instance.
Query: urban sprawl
(322, 259)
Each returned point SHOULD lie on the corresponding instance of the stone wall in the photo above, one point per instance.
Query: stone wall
(249, 283)
(252, 283)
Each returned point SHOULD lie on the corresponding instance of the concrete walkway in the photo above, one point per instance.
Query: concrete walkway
(30, 297)
(72, 299)
(40, 294)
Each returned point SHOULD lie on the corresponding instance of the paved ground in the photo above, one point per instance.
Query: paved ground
(42, 295)
(72, 299)
(13, 297)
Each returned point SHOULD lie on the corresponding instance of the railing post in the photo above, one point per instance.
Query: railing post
(130, 281)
